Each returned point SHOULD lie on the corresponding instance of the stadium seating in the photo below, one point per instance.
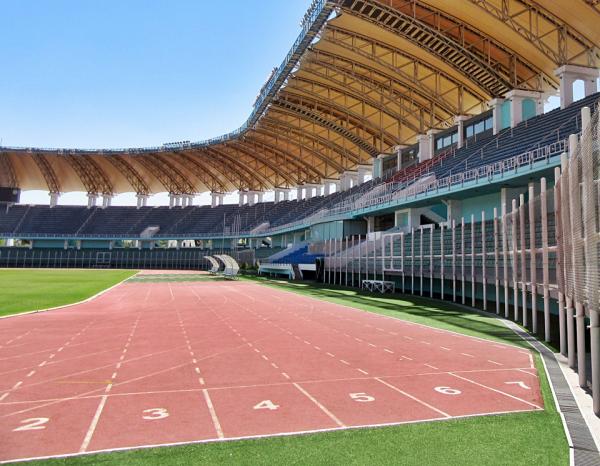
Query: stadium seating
(80, 221)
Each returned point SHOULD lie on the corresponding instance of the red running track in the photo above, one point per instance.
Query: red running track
(164, 363)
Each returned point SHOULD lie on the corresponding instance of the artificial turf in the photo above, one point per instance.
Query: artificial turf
(516, 439)
(23, 290)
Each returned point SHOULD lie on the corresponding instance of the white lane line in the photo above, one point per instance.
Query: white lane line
(274, 365)
(3, 396)
(445, 349)
(114, 375)
(344, 362)
(364, 372)
(359, 340)
(406, 357)
(495, 390)
(197, 370)
(264, 357)
(201, 380)
(388, 350)
(90, 432)
(468, 355)
(408, 338)
(372, 345)
(320, 406)
(431, 367)
(257, 350)
(213, 414)
(194, 361)
(285, 375)
(329, 354)
(494, 362)
(393, 387)
(17, 385)
(42, 364)
(119, 365)
(31, 373)
(317, 348)
(425, 342)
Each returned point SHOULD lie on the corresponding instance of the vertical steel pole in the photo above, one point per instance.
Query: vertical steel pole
(442, 260)
(431, 263)
(483, 260)
(453, 260)
(505, 259)
(515, 256)
(412, 261)
(346, 260)
(402, 258)
(496, 265)
(421, 260)
(462, 258)
(545, 259)
(533, 259)
(472, 260)
(523, 259)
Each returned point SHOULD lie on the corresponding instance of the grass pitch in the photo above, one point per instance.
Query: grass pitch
(23, 290)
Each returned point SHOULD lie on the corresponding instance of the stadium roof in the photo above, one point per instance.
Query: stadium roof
(363, 77)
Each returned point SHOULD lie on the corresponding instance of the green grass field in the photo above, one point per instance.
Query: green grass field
(23, 290)
(516, 439)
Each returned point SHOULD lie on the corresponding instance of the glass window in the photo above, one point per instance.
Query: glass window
(489, 123)
(479, 127)
(470, 131)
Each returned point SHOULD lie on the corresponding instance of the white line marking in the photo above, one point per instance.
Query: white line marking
(3, 396)
(31, 373)
(393, 387)
(264, 357)
(285, 375)
(494, 362)
(93, 425)
(317, 348)
(42, 364)
(372, 345)
(320, 406)
(329, 354)
(495, 390)
(257, 350)
(408, 338)
(344, 362)
(444, 348)
(468, 355)
(364, 372)
(388, 351)
(213, 413)
(274, 365)
(114, 375)
(197, 370)
(430, 366)
(17, 385)
(406, 357)
(201, 380)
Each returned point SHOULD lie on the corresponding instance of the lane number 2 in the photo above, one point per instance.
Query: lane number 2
(34, 423)
(362, 397)
(153, 414)
(266, 404)
(447, 391)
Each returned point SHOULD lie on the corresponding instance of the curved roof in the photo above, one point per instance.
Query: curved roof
(363, 77)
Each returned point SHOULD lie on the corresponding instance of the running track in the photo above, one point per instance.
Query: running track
(163, 363)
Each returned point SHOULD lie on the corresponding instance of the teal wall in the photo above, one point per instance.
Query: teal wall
(48, 243)
(92, 244)
(440, 209)
(474, 206)
(327, 230)
(529, 109)
(505, 115)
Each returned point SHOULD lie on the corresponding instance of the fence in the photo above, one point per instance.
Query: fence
(535, 261)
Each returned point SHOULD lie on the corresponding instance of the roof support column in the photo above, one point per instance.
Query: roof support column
(53, 199)
(523, 105)
(242, 200)
(424, 147)
(299, 193)
(92, 199)
(214, 200)
(496, 106)
(459, 121)
(568, 74)
(106, 201)
(364, 170)
(328, 183)
(142, 200)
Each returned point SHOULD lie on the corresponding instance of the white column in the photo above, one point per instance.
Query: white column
(424, 147)
(299, 190)
(308, 191)
(516, 98)
(363, 171)
(53, 199)
(260, 196)
(496, 106)
(286, 194)
(92, 198)
(214, 200)
(242, 194)
(106, 201)
(171, 200)
(431, 135)
(568, 74)
(251, 195)
(459, 121)
(221, 198)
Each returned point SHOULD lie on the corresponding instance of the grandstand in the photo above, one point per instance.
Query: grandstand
(414, 136)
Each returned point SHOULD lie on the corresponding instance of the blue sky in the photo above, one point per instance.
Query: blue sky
(90, 74)
(83, 73)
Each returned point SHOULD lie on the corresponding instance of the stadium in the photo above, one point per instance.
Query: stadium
(423, 287)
